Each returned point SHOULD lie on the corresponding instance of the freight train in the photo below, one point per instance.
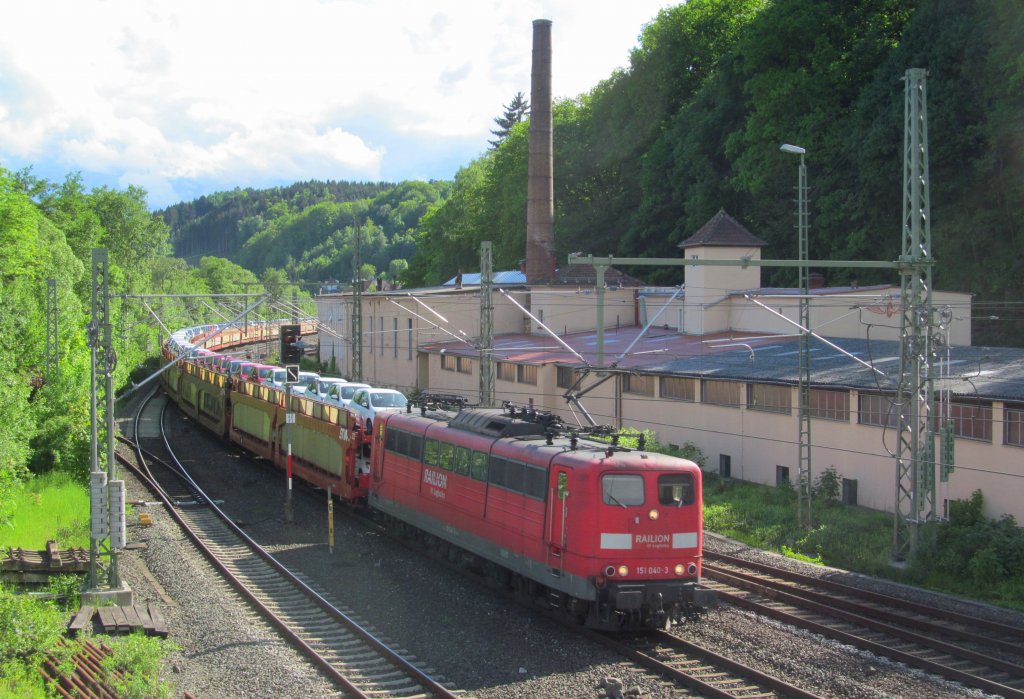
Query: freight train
(610, 536)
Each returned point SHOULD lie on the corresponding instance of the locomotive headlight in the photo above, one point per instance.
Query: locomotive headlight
(680, 569)
(623, 571)
(653, 514)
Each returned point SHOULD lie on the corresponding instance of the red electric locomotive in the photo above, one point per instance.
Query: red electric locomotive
(612, 536)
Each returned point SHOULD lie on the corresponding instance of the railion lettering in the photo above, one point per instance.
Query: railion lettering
(435, 478)
(652, 538)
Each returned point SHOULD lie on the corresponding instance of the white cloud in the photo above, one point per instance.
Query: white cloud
(270, 91)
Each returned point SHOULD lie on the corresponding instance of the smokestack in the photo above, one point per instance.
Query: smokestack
(540, 194)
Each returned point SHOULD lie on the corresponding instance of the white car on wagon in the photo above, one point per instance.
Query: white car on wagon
(368, 403)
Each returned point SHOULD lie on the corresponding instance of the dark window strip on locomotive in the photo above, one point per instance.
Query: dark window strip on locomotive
(505, 473)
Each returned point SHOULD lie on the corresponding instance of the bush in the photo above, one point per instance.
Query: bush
(28, 628)
(138, 658)
(827, 487)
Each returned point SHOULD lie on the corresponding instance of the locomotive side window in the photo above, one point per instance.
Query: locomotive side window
(460, 462)
(478, 465)
(445, 456)
(536, 482)
(675, 489)
(403, 443)
(518, 477)
(430, 452)
(412, 445)
(496, 471)
(622, 490)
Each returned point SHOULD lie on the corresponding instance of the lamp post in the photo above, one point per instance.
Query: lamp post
(804, 453)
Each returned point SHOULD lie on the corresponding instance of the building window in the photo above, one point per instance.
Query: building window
(771, 398)
(464, 365)
(526, 373)
(1013, 424)
(781, 475)
(849, 491)
(567, 376)
(371, 334)
(409, 333)
(641, 385)
(971, 419)
(725, 466)
(678, 388)
(506, 371)
(877, 409)
(448, 362)
(829, 404)
(725, 393)
(394, 335)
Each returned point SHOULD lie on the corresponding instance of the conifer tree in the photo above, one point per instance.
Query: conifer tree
(515, 112)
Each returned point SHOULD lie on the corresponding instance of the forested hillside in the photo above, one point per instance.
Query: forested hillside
(307, 229)
(695, 123)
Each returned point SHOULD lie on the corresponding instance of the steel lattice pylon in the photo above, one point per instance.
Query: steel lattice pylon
(486, 344)
(804, 482)
(915, 477)
(103, 361)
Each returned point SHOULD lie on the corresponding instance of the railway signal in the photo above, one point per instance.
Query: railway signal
(291, 344)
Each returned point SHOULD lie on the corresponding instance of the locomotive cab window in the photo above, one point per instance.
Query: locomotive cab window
(622, 490)
(675, 489)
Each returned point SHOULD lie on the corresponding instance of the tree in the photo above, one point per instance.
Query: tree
(515, 112)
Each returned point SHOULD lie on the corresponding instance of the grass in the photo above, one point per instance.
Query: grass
(845, 537)
(50, 506)
(967, 556)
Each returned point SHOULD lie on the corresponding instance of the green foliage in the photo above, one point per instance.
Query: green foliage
(629, 437)
(828, 486)
(763, 516)
(790, 553)
(28, 628)
(66, 589)
(306, 231)
(973, 555)
(138, 657)
(515, 112)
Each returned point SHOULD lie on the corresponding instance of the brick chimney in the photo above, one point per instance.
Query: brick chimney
(540, 195)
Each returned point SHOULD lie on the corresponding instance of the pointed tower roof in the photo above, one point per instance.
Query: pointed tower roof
(722, 230)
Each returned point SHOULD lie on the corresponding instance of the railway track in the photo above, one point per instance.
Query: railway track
(975, 652)
(698, 669)
(347, 652)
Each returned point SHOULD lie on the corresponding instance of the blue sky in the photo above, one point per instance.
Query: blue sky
(185, 98)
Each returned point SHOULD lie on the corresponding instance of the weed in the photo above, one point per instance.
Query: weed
(138, 658)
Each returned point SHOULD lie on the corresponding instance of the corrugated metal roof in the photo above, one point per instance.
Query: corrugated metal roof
(985, 372)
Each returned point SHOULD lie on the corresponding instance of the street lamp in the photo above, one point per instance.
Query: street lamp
(804, 453)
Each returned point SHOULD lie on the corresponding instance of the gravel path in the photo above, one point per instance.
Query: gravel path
(452, 627)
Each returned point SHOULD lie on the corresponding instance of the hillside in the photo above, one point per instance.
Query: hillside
(306, 229)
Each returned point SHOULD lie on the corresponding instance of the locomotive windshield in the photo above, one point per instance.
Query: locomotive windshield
(622, 489)
(675, 489)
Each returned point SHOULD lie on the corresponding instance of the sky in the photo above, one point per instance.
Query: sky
(185, 98)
